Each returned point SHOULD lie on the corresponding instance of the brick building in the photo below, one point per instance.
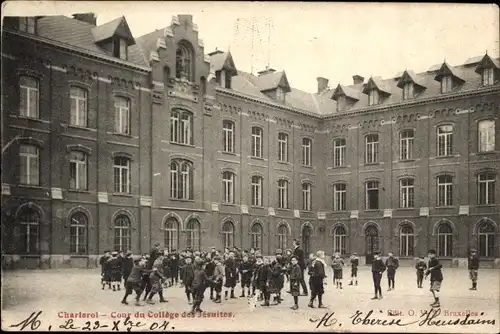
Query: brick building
(115, 142)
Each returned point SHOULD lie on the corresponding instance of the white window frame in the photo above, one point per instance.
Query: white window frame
(124, 239)
(306, 196)
(373, 97)
(228, 184)
(483, 239)
(446, 84)
(444, 190)
(228, 136)
(372, 186)
(282, 147)
(123, 49)
(29, 90)
(407, 193)
(406, 141)
(406, 241)
(486, 135)
(282, 194)
(193, 234)
(228, 235)
(78, 233)
(444, 241)
(257, 136)
(488, 77)
(185, 128)
(280, 94)
(171, 233)
(78, 163)
(408, 91)
(339, 240)
(486, 188)
(282, 236)
(30, 228)
(79, 106)
(371, 148)
(339, 197)
(339, 152)
(122, 115)
(121, 167)
(445, 140)
(27, 24)
(306, 152)
(257, 184)
(28, 155)
(256, 236)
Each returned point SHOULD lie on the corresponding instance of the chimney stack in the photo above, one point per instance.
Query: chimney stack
(86, 17)
(322, 84)
(358, 79)
(266, 71)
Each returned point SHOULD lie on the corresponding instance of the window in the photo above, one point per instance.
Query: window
(228, 136)
(193, 234)
(78, 233)
(171, 234)
(283, 194)
(282, 236)
(122, 233)
(256, 142)
(339, 197)
(406, 193)
(339, 152)
(446, 84)
(406, 139)
(29, 97)
(227, 82)
(282, 147)
(181, 127)
(486, 188)
(406, 243)
(78, 98)
(228, 187)
(371, 149)
(408, 91)
(223, 78)
(373, 97)
(228, 235)
(445, 190)
(444, 240)
(486, 138)
(256, 236)
(339, 240)
(306, 196)
(280, 94)
(372, 195)
(29, 165)
(486, 234)
(184, 62)
(122, 175)
(445, 140)
(488, 77)
(78, 170)
(120, 48)
(27, 24)
(181, 180)
(122, 115)
(257, 192)
(29, 222)
(306, 151)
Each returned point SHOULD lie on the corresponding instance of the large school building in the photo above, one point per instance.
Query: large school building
(111, 142)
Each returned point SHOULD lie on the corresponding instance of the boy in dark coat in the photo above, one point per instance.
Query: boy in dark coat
(337, 266)
(421, 266)
(295, 278)
(155, 278)
(264, 276)
(309, 267)
(278, 279)
(174, 268)
(231, 275)
(127, 265)
(246, 272)
(317, 277)
(218, 278)
(392, 265)
(354, 268)
(434, 269)
(134, 280)
(182, 264)
(378, 268)
(473, 266)
(209, 269)
(103, 261)
(188, 277)
(198, 285)
(115, 271)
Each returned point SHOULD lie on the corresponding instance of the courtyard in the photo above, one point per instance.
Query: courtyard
(76, 294)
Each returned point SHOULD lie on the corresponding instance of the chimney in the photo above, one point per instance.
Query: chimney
(185, 19)
(215, 52)
(268, 70)
(89, 18)
(322, 84)
(358, 79)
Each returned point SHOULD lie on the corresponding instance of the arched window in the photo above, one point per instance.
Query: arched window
(486, 232)
(78, 233)
(185, 181)
(406, 240)
(256, 233)
(171, 234)
(193, 234)
(181, 127)
(339, 240)
(228, 235)
(283, 236)
(181, 179)
(445, 140)
(29, 222)
(184, 62)
(122, 233)
(257, 191)
(445, 240)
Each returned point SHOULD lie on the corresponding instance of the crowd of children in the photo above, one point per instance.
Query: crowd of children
(261, 279)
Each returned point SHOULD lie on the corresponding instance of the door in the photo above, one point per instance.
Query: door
(371, 243)
(306, 240)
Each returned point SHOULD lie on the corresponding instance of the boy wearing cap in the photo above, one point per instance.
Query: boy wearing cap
(231, 275)
(434, 269)
(115, 271)
(378, 268)
(392, 265)
(277, 280)
(103, 261)
(199, 285)
(421, 266)
(473, 266)
(155, 278)
(317, 274)
(127, 265)
(354, 268)
(188, 277)
(264, 276)
(246, 271)
(295, 278)
(217, 279)
(134, 280)
(337, 264)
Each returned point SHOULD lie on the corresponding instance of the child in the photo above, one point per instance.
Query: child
(420, 266)
(354, 268)
(103, 261)
(188, 273)
(182, 263)
(473, 266)
(378, 268)
(434, 269)
(316, 279)
(127, 265)
(115, 271)
(263, 278)
(295, 278)
(134, 281)
(255, 279)
(231, 275)
(209, 269)
(392, 265)
(337, 264)
(277, 279)
(309, 265)
(217, 279)
(246, 272)
(198, 285)
(174, 268)
(155, 279)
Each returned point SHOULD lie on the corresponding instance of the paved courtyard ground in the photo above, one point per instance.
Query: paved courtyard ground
(79, 290)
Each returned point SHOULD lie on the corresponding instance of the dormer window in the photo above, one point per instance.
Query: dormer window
(27, 24)
(374, 97)
(280, 94)
(446, 84)
(408, 91)
(341, 102)
(120, 48)
(488, 77)
(223, 79)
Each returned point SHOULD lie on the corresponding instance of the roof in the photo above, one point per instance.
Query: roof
(78, 34)
(379, 84)
(107, 30)
(410, 76)
(447, 69)
(272, 80)
(222, 60)
(345, 91)
(487, 62)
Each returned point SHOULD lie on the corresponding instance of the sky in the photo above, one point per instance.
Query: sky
(307, 40)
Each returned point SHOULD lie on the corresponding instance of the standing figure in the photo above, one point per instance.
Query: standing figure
(134, 280)
(264, 276)
(421, 266)
(277, 280)
(473, 266)
(354, 268)
(174, 268)
(434, 269)
(155, 279)
(231, 275)
(187, 279)
(127, 265)
(337, 264)
(218, 278)
(317, 276)
(296, 274)
(153, 255)
(378, 268)
(103, 261)
(198, 285)
(309, 267)
(392, 265)
(115, 271)
(299, 253)
(246, 271)
(209, 269)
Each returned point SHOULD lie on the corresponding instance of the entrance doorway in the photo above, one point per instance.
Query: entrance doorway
(306, 240)
(371, 243)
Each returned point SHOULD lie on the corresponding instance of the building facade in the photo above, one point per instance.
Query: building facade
(115, 142)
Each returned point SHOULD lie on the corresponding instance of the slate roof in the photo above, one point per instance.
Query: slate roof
(409, 75)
